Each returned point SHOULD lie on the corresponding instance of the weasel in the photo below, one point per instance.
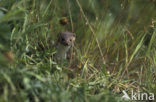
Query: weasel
(65, 42)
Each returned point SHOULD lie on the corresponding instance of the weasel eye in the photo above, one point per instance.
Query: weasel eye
(62, 39)
(70, 40)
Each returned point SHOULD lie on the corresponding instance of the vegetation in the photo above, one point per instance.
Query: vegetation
(115, 50)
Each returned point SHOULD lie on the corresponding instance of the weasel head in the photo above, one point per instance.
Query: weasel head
(66, 38)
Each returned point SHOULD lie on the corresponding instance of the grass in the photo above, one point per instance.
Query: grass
(114, 50)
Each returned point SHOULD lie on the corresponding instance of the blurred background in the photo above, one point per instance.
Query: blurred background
(115, 49)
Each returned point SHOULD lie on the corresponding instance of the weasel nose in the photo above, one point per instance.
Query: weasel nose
(66, 43)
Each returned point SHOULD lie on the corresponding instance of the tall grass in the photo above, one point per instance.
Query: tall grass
(114, 50)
